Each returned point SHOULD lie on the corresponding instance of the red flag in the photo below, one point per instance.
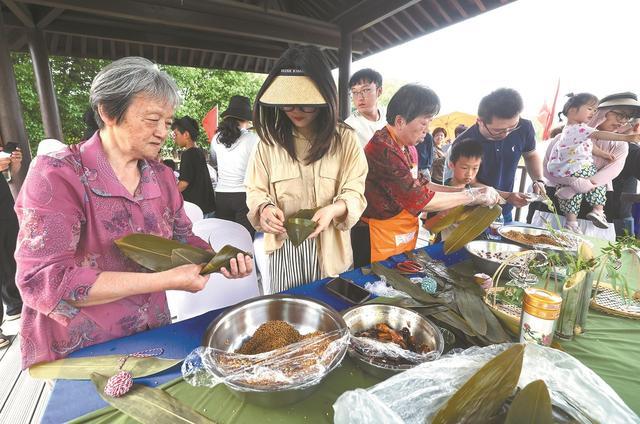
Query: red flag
(547, 126)
(210, 122)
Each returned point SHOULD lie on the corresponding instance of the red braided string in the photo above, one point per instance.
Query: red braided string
(122, 382)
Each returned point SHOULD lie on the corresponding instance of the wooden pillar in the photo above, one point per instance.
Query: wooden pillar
(12, 127)
(44, 84)
(344, 73)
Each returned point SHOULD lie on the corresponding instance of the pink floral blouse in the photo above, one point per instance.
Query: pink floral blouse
(71, 208)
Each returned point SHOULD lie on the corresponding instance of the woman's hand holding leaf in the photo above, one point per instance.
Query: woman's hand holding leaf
(241, 266)
(272, 220)
(325, 215)
(185, 277)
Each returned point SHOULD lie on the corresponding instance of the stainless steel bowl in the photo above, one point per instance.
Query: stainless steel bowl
(490, 266)
(570, 247)
(231, 328)
(363, 317)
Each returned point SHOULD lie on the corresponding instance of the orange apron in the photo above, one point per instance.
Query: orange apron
(392, 236)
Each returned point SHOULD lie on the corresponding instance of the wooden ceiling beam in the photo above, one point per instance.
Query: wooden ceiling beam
(271, 26)
(481, 5)
(168, 38)
(367, 13)
(21, 11)
(460, 9)
(427, 15)
(415, 23)
(442, 12)
(49, 17)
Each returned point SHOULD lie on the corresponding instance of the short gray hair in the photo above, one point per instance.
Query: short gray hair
(117, 83)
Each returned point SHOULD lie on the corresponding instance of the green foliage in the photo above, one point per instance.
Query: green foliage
(202, 89)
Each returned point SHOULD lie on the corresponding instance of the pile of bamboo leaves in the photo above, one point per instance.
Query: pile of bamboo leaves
(469, 221)
(457, 304)
(161, 254)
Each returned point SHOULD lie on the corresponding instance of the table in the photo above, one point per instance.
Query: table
(618, 366)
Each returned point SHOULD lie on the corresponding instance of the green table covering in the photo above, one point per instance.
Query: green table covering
(611, 348)
(221, 406)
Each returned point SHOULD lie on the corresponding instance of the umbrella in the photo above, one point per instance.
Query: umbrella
(451, 120)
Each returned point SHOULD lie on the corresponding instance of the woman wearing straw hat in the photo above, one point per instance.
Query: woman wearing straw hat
(305, 160)
(231, 148)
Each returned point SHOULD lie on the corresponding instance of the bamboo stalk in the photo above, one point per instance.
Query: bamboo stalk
(585, 300)
(571, 300)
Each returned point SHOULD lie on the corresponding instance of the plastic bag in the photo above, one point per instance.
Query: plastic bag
(295, 366)
(416, 395)
(381, 288)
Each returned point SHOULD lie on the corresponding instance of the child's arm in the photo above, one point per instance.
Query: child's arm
(611, 136)
(601, 153)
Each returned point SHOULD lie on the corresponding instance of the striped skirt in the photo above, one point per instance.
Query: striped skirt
(292, 266)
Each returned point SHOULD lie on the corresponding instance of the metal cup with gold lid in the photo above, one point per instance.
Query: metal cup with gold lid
(540, 310)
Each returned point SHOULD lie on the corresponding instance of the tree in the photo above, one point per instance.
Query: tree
(202, 89)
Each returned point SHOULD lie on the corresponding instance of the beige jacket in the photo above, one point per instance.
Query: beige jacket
(273, 177)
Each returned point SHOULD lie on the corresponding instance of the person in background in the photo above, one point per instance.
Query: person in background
(77, 286)
(625, 185)
(9, 294)
(614, 113)
(464, 161)
(91, 126)
(231, 147)
(505, 138)
(394, 197)
(437, 168)
(573, 155)
(369, 117)
(174, 167)
(305, 160)
(194, 181)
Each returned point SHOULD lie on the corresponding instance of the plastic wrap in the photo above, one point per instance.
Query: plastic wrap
(416, 395)
(295, 366)
(390, 352)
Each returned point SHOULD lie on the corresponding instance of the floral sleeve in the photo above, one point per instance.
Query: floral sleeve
(51, 214)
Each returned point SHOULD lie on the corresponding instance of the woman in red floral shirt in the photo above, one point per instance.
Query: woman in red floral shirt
(394, 197)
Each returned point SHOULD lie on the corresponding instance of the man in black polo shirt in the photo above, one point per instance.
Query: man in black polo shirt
(505, 138)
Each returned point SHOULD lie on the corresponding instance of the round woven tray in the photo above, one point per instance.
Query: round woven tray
(508, 314)
(610, 302)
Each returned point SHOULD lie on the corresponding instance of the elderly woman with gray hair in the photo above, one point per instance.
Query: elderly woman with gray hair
(78, 289)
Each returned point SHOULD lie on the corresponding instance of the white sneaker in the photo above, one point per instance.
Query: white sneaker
(4, 340)
(573, 227)
(598, 219)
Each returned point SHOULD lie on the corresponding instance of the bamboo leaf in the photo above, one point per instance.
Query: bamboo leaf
(81, 368)
(444, 219)
(184, 256)
(472, 227)
(153, 252)
(471, 308)
(402, 283)
(222, 259)
(483, 394)
(299, 229)
(149, 405)
(495, 330)
(532, 405)
(454, 320)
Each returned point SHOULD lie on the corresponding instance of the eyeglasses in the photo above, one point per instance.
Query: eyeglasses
(501, 132)
(304, 109)
(364, 93)
(621, 117)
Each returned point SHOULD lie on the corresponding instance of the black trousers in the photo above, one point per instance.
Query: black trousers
(233, 207)
(361, 244)
(9, 293)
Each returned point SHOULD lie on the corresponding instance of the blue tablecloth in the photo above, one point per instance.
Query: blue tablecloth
(71, 399)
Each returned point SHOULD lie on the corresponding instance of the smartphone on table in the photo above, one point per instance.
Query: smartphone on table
(347, 290)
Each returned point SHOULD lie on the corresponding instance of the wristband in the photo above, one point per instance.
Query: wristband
(265, 206)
